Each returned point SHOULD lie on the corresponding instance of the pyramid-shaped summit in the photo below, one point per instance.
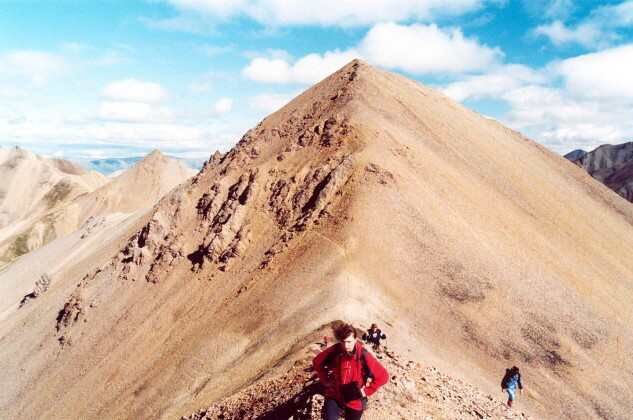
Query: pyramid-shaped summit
(368, 198)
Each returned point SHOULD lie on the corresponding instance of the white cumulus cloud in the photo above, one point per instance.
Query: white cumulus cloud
(587, 34)
(423, 49)
(416, 48)
(135, 90)
(579, 102)
(563, 122)
(616, 15)
(603, 74)
(597, 30)
(38, 67)
(222, 106)
(307, 70)
(269, 102)
(132, 112)
(494, 83)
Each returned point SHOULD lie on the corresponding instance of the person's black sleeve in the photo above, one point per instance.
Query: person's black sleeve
(520, 384)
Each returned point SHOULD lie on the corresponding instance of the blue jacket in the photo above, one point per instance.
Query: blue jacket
(511, 380)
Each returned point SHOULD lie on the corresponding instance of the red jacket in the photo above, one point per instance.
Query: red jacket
(348, 370)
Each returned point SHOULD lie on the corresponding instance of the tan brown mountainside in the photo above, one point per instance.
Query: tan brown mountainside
(32, 184)
(368, 198)
(136, 189)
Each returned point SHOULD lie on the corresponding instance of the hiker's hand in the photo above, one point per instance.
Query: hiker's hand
(362, 391)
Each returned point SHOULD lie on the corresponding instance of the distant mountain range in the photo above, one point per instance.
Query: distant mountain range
(110, 166)
(610, 164)
(42, 199)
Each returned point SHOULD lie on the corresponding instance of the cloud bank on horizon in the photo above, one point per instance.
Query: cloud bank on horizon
(104, 80)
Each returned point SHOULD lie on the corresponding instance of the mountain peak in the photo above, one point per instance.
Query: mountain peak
(368, 198)
(575, 154)
(159, 164)
(20, 153)
(154, 154)
(331, 113)
(153, 159)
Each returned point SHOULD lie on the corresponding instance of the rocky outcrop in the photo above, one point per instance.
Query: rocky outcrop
(41, 286)
(610, 164)
(605, 157)
(415, 391)
(71, 313)
(231, 189)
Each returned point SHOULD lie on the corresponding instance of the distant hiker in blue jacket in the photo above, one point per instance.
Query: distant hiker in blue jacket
(511, 380)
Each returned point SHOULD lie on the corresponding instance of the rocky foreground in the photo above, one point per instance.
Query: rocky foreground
(415, 391)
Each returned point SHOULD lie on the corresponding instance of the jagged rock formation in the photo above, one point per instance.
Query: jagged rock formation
(67, 316)
(610, 164)
(41, 286)
(136, 189)
(55, 267)
(368, 197)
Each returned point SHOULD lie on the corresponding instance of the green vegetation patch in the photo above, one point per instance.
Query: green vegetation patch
(58, 193)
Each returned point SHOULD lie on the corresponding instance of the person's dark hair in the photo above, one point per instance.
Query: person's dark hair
(342, 331)
(514, 369)
(374, 326)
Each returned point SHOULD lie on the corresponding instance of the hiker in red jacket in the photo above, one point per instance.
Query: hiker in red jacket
(349, 374)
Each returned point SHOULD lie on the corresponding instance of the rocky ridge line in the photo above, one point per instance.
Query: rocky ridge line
(414, 391)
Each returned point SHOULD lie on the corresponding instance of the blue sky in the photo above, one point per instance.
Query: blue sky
(99, 79)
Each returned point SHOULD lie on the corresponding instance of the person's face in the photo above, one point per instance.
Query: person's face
(349, 342)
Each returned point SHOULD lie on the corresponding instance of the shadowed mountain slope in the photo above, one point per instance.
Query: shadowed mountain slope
(610, 164)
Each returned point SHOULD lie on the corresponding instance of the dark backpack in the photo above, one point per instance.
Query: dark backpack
(368, 336)
(508, 377)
